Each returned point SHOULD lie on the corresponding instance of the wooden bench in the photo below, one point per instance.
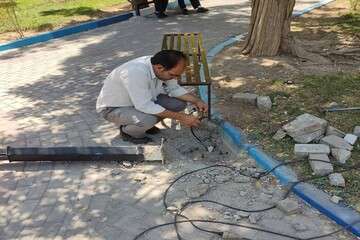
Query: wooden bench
(139, 4)
(197, 69)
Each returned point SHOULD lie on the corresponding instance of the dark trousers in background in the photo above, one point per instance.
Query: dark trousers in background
(160, 5)
(194, 3)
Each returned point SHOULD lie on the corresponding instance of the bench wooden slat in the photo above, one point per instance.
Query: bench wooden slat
(172, 42)
(186, 51)
(178, 42)
(164, 43)
(205, 65)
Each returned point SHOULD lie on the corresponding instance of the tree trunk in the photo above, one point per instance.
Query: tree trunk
(269, 27)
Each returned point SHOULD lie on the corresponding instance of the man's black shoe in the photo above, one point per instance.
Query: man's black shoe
(184, 11)
(154, 130)
(161, 15)
(202, 10)
(127, 138)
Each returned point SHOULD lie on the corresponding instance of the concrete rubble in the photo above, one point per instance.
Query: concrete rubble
(351, 138)
(321, 144)
(334, 131)
(303, 150)
(341, 155)
(320, 164)
(337, 179)
(336, 142)
(357, 131)
(306, 128)
(263, 103)
(288, 206)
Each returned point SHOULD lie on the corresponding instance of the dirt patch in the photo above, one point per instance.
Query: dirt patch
(297, 85)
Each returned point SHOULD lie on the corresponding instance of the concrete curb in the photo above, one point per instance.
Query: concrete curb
(65, 32)
(345, 216)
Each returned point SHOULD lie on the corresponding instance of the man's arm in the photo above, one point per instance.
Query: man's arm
(188, 120)
(194, 100)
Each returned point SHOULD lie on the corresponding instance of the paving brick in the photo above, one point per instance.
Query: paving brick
(334, 131)
(351, 138)
(336, 142)
(248, 98)
(357, 131)
(336, 179)
(320, 168)
(341, 155)
(306, 128)
(303, 150)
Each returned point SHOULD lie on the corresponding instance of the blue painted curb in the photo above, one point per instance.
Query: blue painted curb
(345, 216)
(310, 8)
(65, 32)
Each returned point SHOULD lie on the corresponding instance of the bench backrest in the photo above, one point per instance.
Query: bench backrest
(191, 44)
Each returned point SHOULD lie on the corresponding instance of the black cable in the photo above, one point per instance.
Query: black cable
(260, 174)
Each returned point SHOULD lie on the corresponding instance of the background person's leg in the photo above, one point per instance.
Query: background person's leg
(171, 103)
(195, 3)
(182, 4)
(134, 122)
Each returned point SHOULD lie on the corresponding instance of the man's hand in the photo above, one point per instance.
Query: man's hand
(201, 106)
(190, 121)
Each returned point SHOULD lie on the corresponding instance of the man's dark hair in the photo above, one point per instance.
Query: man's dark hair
(168, 58)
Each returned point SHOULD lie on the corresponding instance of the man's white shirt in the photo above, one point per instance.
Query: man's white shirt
(134, 83)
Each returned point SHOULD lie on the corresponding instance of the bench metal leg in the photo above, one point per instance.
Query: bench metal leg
(137, 10)
(209, 101)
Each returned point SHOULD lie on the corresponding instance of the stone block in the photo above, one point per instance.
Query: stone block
(341, 155)
(248, 98)
(336, 142)
(321, 166)
(264, 103)
(351, 138)
(334, 131)
(336, 179)
(357, 131)
(305, 128)
(280, 134)
(152, 153)
(303, 150)
(288, 206)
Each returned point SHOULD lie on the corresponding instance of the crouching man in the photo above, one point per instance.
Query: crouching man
(141, 92)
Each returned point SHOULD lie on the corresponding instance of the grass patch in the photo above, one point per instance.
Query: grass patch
(44, 14)
(350, 22)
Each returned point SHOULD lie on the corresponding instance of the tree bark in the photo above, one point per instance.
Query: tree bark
(269, 28)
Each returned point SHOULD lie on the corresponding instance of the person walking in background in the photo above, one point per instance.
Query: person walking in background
(195, 4)
(160, 8)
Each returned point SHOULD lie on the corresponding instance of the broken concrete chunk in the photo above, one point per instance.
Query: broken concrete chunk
(303, 150)
(255, 217)
(280, 134)
(336, 142)
(264, 103)
(336, 199)
(336, 179)
(152, 153)
(306, 128)
(341, 155)
(248, 98)
(351, 138)
(320, 165)
(357, 131)
(334, 131)
(288, 206)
